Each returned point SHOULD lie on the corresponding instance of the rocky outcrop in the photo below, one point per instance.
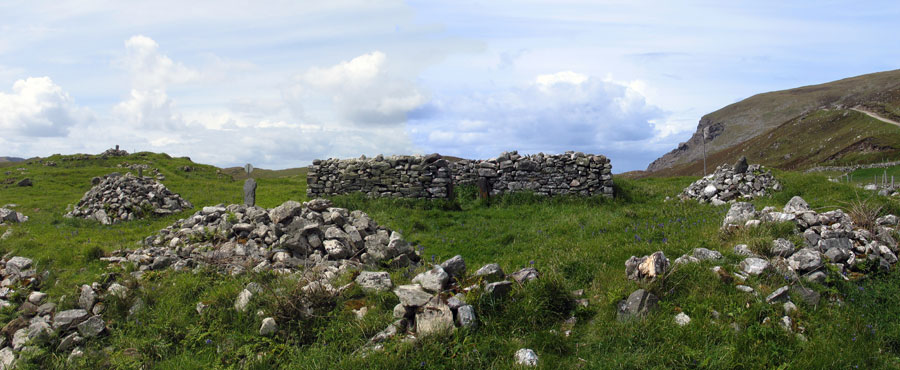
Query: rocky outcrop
(116, 198)
(8, 216)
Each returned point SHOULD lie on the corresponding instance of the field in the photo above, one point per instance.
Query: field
(576, 243)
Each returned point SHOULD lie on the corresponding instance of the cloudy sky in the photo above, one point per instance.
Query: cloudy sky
(280, 83)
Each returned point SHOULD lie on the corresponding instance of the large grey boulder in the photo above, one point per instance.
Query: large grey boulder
(435, 317)
(805, 260)
(268, 327)
(525, 275)
(433, 280)
(646, 268)
(796, 205)
(739, 214)
(754, 265)
(490, 273)
(379, 281)
(498, 290)
(704, 254)
(16, 265)
(92, 327)
(69, 318)
(455, 267)
(465, 316)
(782, 247)
(412, 295)
(637, 305)
(286, 211)
(741, 165)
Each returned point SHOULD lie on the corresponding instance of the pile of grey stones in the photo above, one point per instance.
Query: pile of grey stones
(287, 238)
(732, 182)
(829, 238)
(114, 152)
(38, 323)
(10, 216)
(141, 167)
(435, 302)
(115, 198)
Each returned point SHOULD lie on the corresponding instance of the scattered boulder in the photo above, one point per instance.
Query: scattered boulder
(498, 290)
(805, 260)
(10, 216)
(754, 265)
(646, 268)
(739, 214)
(490, 273)
(637, 305)
(268, 327)
(455, 267)
(779, 295)
(782, 247)
(435, 317)
(432, 280)
(525, 275)
(412, 295)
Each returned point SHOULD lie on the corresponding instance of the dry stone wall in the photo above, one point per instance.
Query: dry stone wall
(433, 176)
(395, 176)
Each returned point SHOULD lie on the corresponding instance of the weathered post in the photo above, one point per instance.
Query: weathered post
(249, 187)
(484, 188)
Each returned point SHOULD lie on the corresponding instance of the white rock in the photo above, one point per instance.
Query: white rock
(682, 319)
(268, 327)
(243, 300)
(526, 357)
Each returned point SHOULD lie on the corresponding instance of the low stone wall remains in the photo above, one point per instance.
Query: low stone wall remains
(433, 176)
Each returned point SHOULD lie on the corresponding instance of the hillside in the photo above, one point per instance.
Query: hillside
(579, 245)
(11, 159)
(764, 114)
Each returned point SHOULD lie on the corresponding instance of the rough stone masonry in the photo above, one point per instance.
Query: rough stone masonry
(433, 176)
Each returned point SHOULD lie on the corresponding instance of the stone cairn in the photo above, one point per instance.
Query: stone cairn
(395, 176)
(432, 176)
(116, 198)
(39, 323)
(730, 183)
(140, 168)
(114, 152)
(569, 173)
(286, 238)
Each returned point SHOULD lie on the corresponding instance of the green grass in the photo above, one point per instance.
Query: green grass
(576, 243)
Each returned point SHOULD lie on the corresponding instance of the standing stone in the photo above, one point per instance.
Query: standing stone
(741, 165)
(250, 192)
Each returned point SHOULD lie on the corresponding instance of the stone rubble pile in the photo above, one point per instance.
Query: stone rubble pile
(115, 198)
(114, 152)
(435, 302)
(395, 176)
(39, 323)
(568, 173)
(829, 238)
(286, 238)
(730, 183)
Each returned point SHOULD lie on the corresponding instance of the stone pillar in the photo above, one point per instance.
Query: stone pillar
(250, 192)
(484, 188)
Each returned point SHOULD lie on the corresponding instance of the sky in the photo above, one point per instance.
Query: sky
(281, 83)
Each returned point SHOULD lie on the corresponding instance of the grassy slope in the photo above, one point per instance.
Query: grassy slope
(577, 243)
(826, 137)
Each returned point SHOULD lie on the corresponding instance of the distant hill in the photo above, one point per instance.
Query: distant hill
(798, 128)
(11, 159)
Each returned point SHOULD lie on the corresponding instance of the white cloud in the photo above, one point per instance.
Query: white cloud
(39, 108)
(363, 90)
(555, 113)
(151, 69)
(149, 109)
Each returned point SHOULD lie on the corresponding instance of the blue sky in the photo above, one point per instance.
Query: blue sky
(280, 83)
